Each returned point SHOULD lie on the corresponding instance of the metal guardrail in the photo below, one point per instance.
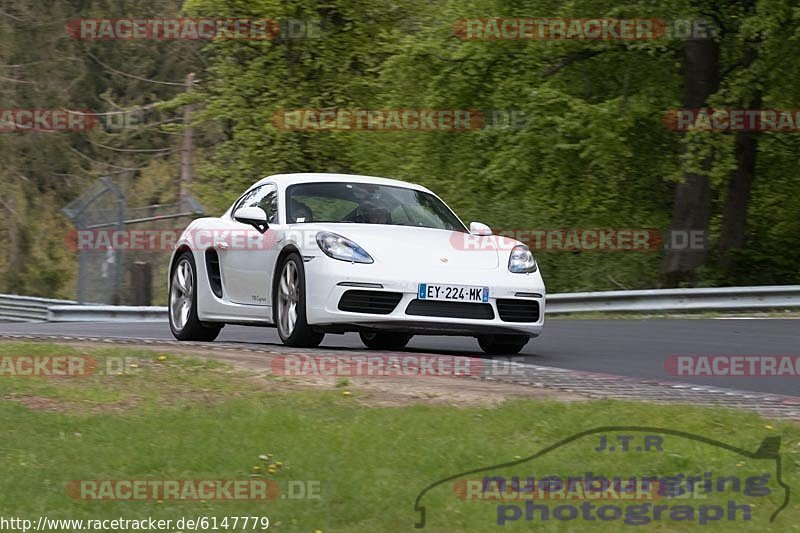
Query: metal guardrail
(15, 308)
(705, 299)
(106, 313)
(22, 308)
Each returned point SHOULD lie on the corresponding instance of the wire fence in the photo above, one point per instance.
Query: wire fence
(112, 269)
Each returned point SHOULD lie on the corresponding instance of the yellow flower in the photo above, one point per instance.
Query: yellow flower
(346, 393)
(768, 427)
(162, 357)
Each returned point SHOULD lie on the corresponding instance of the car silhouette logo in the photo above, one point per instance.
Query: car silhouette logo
(768, 450)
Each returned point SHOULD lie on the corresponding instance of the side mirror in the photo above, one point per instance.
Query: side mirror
(477, 228)
(255, 216)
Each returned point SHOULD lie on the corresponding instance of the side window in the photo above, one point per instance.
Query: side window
(265, 197)
(400, 217)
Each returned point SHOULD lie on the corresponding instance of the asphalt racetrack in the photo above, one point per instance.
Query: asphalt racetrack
(634, 348)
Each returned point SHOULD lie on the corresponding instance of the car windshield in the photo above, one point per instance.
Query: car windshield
(368, 203)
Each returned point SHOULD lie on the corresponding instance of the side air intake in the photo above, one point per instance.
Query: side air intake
(214, 274)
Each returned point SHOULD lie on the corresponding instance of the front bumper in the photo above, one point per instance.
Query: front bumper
(324, 289)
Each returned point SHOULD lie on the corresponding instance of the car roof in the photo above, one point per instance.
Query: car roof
(284, 180)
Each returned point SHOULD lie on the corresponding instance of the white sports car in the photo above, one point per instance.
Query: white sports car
(330, 253)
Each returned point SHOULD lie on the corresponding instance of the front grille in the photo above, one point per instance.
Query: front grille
(450, 309)
(518, 310)
(373, 302)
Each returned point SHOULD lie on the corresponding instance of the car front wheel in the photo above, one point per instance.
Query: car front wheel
(290, 308)
(502, 344)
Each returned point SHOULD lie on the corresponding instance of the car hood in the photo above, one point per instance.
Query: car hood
(405, 245)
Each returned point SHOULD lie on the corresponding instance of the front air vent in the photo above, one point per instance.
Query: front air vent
(373, 302)
(518, 310)
(214, 274)
(450, 309)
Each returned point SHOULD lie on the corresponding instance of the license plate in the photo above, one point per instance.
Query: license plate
(453, 293)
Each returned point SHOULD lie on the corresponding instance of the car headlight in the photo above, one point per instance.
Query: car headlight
(521, 260)
(341, 248)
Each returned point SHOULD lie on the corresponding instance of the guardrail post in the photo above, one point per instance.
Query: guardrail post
(141, 283)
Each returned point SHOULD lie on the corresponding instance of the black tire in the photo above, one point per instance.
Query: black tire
(192, 329)
(301, 335)
(385, 340)
(502, 344)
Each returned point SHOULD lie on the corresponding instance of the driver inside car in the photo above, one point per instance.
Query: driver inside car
(300, 213)
(378, 215)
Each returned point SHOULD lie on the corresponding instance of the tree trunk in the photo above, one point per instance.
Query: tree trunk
(692, 208)
(734, 219)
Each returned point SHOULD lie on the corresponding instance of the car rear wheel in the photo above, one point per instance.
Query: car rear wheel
(290, 309)
(183, 319)
(385, 341)
(502, 344)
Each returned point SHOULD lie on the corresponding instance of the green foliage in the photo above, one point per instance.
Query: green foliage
(592, 151)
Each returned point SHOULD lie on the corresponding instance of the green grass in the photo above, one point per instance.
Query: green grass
(181, 418)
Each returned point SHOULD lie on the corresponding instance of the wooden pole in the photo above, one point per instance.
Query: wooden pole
(188, 145)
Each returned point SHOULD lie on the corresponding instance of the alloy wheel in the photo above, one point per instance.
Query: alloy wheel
(288, 299)
(180, 294)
